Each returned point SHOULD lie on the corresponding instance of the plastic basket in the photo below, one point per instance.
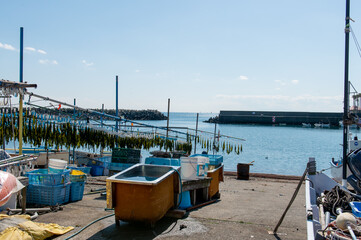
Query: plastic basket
(55, 170)
(48, 195)
(77, 178)
(85, 170)
(356, 208)
(214, 160)
(106, 159)
(44, 177)
(76, 191)
(162, 161)
(97, 170)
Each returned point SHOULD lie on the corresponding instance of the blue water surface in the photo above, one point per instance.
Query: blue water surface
(274, 149)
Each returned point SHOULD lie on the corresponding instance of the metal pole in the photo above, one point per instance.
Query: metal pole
(21, 53)
(101, 116)
(195, 139)
(21, 95)
(168, 118)
(116, 103)
(101, 124)
(214, 137)
(346, 96)
(74, 124)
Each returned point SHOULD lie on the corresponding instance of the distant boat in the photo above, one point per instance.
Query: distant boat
(308, 125)
(353, 126)
(322, 125)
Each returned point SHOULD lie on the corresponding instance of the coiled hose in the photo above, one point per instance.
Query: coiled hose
(181, 187)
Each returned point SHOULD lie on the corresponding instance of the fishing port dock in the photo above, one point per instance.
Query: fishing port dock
(247, 209)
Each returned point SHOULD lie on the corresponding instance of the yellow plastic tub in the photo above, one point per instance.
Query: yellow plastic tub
(217, 177)
(142, 193)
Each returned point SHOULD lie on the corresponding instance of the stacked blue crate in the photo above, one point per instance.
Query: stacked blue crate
(162, 161)
(77, 187)
(214, 160)
(48, 188)
(85, 169)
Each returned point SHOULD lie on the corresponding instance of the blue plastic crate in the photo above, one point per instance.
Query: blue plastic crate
(356, 208)
(48, 195)
(162, 161)
(85, 170)
(45, 177)
(76, 191)
(213, 159)
(106, 159)
(55, 170)
(78, 178)
(96, 170)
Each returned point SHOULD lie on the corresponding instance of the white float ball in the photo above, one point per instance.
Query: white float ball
(343, 219)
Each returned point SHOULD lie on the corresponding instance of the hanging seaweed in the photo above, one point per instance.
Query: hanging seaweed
(40, 129)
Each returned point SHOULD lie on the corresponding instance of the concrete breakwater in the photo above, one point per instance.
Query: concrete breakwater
(270, 117)
(148, 114)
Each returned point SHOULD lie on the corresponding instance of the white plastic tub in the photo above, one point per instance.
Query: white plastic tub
(189, 167)
(57, 163)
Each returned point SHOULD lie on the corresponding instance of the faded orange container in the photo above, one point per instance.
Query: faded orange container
(143, 193)
(217, 177)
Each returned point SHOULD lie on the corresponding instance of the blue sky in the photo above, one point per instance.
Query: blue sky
(204, 55)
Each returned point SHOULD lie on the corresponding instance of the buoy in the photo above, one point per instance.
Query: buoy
(343, 219)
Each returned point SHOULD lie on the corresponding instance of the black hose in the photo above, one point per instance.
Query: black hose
(101, 218)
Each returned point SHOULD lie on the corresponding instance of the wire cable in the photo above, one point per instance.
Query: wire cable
(356, 42)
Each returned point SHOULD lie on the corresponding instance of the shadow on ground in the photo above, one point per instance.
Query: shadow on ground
(136, 230)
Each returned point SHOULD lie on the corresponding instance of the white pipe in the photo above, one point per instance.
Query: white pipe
(351, 232)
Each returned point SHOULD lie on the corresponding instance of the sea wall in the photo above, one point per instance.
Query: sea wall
(148, 114)
(270, 117)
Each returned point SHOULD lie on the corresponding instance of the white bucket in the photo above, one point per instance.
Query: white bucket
(57, 164)
(188, 167)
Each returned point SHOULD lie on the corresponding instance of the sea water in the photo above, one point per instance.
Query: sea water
(274, 149)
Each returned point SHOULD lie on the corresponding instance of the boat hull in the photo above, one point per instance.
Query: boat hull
(315, 185)
(337, 170)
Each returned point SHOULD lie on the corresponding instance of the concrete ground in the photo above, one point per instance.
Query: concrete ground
(246, 210)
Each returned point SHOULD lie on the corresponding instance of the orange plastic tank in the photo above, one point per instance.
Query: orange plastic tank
(143, 193)
(217, 177)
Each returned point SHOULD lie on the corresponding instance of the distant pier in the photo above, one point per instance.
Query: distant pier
(288, 118)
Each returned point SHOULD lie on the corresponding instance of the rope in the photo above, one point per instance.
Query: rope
(292, 199)
(326, 169)
(336, 198)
